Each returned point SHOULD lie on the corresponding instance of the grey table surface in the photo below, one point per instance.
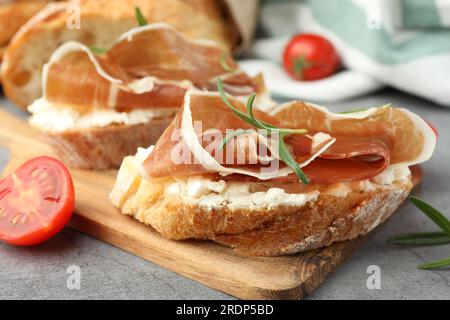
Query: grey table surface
(109, 273)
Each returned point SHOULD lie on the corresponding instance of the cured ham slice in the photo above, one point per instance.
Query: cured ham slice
(149, 67)
(352, 147)
(350, 159)
(409, 138)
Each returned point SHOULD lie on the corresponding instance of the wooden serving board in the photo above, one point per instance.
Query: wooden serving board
(218, 267)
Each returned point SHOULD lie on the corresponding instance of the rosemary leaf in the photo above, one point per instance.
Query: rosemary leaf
(362, 110)
(421, 239)
(232, 136)
(98, 50)
(353, 111)
(433, 214)
(140, 17)
(250, 102)
(224, 64)
(261, 124)
(287, 158)
(435, 264)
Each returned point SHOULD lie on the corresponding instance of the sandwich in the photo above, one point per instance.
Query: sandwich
(99, 105)
(100, 23)
(279, 182)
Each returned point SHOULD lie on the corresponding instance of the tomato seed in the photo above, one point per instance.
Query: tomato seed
(24, 219)
(15, 219)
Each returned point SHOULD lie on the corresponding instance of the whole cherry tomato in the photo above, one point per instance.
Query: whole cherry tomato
(310, 57)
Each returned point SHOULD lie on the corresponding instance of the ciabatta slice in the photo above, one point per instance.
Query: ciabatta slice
(331, 219)
(103, 148)
(335, 213)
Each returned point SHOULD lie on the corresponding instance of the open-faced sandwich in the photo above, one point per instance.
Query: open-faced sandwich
(267, 184)
(100, 23)
(99, 105)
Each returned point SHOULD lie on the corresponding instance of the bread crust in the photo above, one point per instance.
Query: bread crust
(328, 221)
(104, 148)
(254, 231)
(103, 21)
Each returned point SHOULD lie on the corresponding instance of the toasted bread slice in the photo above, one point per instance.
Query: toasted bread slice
(101, 23)
(331, 219)
(335, 213)
(104, 148)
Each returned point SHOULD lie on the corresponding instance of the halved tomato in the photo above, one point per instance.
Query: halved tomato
(36, 202)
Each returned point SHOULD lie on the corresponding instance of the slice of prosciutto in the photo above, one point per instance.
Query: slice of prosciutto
(149, 67)
(337, 148)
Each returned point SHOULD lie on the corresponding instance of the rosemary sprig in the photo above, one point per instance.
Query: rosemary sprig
(429, 238)
(421, 239)
(140, 17)
(284, 152)
(363, 109)
(353, 111)
(433, 214)
(435, 265)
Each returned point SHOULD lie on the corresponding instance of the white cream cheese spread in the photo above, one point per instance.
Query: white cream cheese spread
(215, 194)
(54, 119)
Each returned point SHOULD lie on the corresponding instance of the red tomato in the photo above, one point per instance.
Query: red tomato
(36, 202)
(310, 57)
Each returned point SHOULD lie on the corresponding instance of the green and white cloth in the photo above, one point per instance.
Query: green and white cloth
(400, 43)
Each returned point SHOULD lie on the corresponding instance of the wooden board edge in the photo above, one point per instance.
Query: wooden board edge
(323, 269)
(124, 242)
